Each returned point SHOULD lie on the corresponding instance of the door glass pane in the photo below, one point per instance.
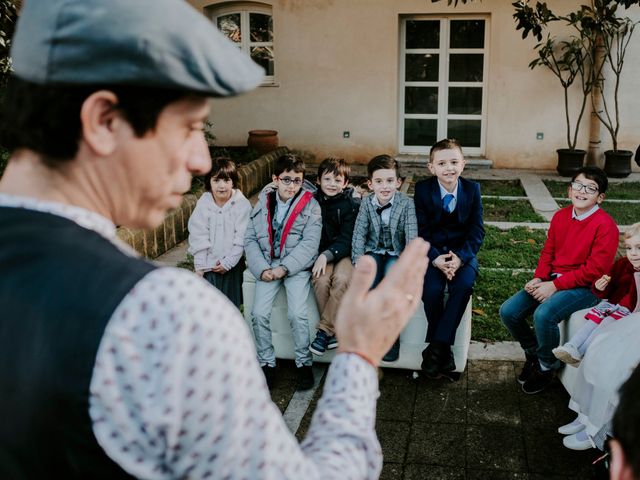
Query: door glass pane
(420, 67)
(465, 100)
(467, 34)
(261, 27)
(263, 56)
(421, 100)
(466, 67)
(466, 131)
(423, 34)
(420, 132)
(229, 25)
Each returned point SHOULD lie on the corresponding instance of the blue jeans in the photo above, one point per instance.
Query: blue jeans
(384, 262)
(546, 317)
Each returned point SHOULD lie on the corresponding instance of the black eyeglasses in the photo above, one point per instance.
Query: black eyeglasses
(288, 181)
(581, 187)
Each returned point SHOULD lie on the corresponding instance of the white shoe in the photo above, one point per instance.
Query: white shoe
(571, 428)
(568, 354)
(578, 441)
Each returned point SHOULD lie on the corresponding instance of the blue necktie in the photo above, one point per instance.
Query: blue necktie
(446, 202)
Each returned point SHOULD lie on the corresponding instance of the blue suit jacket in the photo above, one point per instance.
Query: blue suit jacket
(465, 236)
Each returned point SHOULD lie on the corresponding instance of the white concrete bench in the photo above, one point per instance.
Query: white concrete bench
(411, 340)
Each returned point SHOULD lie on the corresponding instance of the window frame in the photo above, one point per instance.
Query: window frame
(245, 9)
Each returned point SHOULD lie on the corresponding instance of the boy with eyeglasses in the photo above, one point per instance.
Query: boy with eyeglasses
(281, 245)
(580, 248)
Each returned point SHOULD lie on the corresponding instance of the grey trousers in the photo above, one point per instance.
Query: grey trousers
(297, 288)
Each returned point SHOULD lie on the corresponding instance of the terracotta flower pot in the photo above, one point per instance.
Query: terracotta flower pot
(263, 141)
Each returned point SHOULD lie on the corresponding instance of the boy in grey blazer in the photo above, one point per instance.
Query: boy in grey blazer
(385, 224)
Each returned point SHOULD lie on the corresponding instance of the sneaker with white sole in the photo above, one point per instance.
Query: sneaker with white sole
(332, 343)
(578, 441)
(568, 354)
(319, 344)
(571, 428)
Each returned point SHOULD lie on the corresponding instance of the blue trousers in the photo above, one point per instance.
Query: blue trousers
(443, 319)
(546, 317)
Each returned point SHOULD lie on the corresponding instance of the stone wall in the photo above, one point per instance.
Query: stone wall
(153, 243)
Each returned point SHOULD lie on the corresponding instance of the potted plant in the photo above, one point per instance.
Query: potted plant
(603, 38)
(568, 61)
(612, 35)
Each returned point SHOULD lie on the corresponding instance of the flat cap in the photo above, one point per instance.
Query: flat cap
(160, 43)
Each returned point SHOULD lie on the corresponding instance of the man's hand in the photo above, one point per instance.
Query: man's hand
(278, 273)
(320, 267)
(543, 290)
(267, 275)
(529, 287)
(369, 321)
(602, 282)
(219, 268)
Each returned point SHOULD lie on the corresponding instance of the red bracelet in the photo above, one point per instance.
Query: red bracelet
(364, 357)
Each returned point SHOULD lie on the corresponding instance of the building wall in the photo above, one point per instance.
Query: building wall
(337, 69)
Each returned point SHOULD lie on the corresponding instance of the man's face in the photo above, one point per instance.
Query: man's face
(288, 184)
(447, 165)
(159, 166)
(584, 194)
(384, 183)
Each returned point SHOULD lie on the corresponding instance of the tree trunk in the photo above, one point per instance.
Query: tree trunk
(594, 154)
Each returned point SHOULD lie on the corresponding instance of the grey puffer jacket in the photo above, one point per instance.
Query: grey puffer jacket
(300, 236)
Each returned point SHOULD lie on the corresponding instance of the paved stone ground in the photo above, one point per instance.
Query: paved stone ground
(480, 427)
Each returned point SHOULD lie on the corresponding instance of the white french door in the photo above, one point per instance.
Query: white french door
(443, 77)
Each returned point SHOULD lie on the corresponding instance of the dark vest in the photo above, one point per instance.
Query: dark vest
(59, 285)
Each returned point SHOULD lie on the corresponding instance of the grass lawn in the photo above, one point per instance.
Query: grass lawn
(514, 248)
(491, 290)
(505, 188)
(501, 210)
(619, 191)
(622, 213)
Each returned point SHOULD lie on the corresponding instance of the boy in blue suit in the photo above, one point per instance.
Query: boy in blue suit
(449, 212)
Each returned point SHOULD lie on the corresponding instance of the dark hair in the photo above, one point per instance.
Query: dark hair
(289, 163)
(596, 174)
(221, 168)
(445, 144)
(626, 421)
(46, 118)
(334, 165)
(381, 162)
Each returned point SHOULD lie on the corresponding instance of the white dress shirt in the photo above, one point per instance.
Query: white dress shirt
(176, 390)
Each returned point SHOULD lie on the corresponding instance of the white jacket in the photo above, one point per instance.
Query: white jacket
(217, 233)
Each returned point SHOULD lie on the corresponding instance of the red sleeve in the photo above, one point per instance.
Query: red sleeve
(543, 271)
(603, 250)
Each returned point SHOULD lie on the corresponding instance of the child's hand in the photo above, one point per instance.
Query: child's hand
(454, 263)
(602, 282)
(278, 273)
(529, 287)
(219, 269)
(200, 273)
(320, 267)
(267, 275)
(543, 290)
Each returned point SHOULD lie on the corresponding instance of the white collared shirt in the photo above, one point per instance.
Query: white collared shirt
(444, 192)
(176, 390)
(386, 213)
(584, 215)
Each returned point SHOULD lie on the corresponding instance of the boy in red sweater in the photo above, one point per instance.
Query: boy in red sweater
(580, 248)
(620, 293)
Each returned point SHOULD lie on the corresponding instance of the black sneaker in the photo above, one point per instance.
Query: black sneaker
(319, 344)
(530, 365)
(393, 354)
(269, 375)
(538, 381)
(304, 378)
(332, 343)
